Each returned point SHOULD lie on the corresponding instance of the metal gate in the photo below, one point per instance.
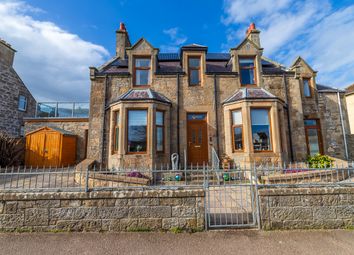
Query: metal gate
(231, 198)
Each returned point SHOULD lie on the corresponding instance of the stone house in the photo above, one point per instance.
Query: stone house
(146, 105)
(16, 101)
(349, 97)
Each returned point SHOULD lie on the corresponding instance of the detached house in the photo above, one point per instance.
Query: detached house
(16, 101)
(146, 105)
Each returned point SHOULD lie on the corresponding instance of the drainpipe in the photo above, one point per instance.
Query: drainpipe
(216, 116)
(104, 117)
(177, 99)
(288, 117)
(342, 124)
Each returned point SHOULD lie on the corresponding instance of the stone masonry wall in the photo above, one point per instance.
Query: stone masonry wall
(11, 87)
(102, 211)
(306, 208)
(77, 126)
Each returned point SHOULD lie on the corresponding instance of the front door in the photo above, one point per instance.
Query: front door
(197, 138)
(313, 137)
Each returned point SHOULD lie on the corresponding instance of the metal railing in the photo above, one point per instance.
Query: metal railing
(62, 110)
(23, 179)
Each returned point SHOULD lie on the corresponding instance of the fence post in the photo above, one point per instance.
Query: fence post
(87, 180)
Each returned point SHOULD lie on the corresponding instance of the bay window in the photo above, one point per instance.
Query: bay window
(116, 121)
(137, 129)
(261, 130)
(160, 124)
(142, 70)
(237, 135)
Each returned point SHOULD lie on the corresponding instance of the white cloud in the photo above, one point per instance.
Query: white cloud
(176, 40)
(311, 28)
(52, 62)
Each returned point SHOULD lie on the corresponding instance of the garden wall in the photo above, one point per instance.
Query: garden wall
(306, 208)
(102, 211)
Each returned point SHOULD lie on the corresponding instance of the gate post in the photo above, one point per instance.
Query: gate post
(255, 179)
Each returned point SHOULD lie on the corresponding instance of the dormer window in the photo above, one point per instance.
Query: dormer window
(307, 88)
(194, 70)
(247, 71)
(142, 69)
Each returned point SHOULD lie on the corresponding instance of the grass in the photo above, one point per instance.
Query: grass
(176, 230)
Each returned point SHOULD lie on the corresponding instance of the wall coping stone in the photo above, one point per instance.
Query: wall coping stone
(304, 191)
(9, 196)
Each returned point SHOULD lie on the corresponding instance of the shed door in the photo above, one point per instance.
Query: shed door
(35, 152)
(51, 149)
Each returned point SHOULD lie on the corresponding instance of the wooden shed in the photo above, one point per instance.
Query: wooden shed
(50, 146)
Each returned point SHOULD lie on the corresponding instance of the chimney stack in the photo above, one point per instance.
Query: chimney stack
(122, 41)
(253, 34)
(7, 53)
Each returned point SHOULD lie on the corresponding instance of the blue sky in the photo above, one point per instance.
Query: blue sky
(58, 40)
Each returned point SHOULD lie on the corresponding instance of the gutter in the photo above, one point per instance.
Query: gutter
(342, 124)
(177, 99)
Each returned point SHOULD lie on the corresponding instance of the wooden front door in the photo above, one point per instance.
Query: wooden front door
(197, 138)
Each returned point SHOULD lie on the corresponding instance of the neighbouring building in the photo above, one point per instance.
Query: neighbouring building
(16, 101)
(349, 96)
(350, 106)
(146, 105)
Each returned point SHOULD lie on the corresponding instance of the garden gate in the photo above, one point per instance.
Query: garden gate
(231, 198)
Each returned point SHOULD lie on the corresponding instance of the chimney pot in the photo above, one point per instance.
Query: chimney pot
(122, 27)
(250, 28)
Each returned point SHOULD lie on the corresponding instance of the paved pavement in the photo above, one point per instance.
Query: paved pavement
(212, 242)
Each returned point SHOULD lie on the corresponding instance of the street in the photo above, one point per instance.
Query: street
(212, 242)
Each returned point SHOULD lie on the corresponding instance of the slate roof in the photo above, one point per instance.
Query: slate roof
(325, 88)
(143, 94)
(249, 93)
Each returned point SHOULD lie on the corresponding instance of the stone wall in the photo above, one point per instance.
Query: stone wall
(11, 88)
(306, 208)
(78, 126)
(350, 142)
(102, 211)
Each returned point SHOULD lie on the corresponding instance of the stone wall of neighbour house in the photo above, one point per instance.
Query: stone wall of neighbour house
(331, 126)
(77, 126)
(306, 208)
(11, 88)
(350, 142)
(102, 211)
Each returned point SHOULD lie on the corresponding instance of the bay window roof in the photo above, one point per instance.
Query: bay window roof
(250, 93)
(143, 94)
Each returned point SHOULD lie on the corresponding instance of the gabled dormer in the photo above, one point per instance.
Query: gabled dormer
(307, 76)
(193, 61)
(142, 59)
(246, 59)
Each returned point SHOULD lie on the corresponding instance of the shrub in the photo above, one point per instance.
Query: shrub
(11, 151)
(319, 161)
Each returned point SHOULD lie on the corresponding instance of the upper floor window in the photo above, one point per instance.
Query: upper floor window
(22, 103)
(142, 70)
(194, 71)
(116, 121)
(237, 137)
(261, 130)
(137, 129)
(307, 88)
(160, 123)
(247, 71)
